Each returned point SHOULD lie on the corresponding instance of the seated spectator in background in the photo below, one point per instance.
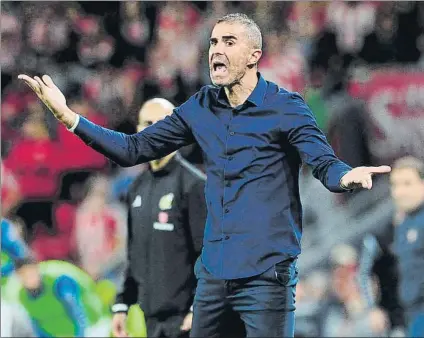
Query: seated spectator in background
(396, 34)
(283, 49)
(100, 233)
(380, 45)
(36, 162)
(78, 155)
(350, 21)
(35, 159)
(348, 315)
(307, 18)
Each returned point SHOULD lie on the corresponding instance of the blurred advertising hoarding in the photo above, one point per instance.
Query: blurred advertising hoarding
(394, 99)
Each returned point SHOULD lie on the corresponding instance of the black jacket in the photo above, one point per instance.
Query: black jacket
(167, 214)
(378, 259)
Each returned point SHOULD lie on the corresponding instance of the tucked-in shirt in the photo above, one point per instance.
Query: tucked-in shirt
(252, 157)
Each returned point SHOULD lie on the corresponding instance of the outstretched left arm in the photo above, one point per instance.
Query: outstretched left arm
(303, 133)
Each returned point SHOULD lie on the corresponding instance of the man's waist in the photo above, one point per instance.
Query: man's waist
(235, 235)
(247, 259)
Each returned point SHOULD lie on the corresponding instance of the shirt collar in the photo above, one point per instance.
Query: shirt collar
(256, 97)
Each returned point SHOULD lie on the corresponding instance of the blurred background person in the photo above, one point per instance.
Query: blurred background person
(100, 232)
(60, 299)
(348, 315)
(14, 322)
(35, 160)
(407, 184)
(312, 304)
(167, 215)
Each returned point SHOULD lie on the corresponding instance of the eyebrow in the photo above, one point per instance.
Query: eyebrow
(224, 37)
(229, 37)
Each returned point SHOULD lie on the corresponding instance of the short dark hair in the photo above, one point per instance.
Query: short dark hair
(410, 162)
(253, 30)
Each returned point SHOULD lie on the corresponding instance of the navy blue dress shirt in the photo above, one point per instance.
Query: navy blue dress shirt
(253, 154)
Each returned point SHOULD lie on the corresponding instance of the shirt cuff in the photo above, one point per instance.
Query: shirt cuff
(117, 308)
(72, 129)
(191, 308)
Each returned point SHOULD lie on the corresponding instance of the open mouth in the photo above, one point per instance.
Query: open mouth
(219, 67)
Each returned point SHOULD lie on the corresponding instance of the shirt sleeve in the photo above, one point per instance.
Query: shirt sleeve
(156, 141)
(300, 127)
(68, 291)
(129, 291)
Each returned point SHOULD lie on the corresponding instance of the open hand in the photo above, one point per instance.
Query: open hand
(361, 177)
(51, 96)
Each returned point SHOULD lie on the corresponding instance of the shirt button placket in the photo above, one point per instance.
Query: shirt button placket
(230, 158)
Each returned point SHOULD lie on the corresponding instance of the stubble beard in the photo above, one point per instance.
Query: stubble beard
(233, 80)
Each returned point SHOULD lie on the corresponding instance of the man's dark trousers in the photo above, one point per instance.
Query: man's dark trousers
(265, 303)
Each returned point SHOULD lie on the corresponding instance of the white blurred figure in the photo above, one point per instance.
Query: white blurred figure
(312, 304)
(100, 231)
(349, 315)
(15, 321)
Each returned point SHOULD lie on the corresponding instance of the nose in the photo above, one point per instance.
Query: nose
(217, 49)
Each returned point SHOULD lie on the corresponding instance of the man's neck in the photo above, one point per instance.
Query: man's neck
(156, 165)
(238, 93)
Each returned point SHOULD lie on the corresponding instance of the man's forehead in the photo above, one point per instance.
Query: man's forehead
(235, 29)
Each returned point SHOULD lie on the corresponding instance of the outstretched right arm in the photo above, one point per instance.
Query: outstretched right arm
(154, 142)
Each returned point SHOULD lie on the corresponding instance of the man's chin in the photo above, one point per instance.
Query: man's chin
(219, 81)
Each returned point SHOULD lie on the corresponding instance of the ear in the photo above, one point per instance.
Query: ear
(254, 58)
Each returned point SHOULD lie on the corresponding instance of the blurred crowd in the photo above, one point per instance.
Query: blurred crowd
(110, 57)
